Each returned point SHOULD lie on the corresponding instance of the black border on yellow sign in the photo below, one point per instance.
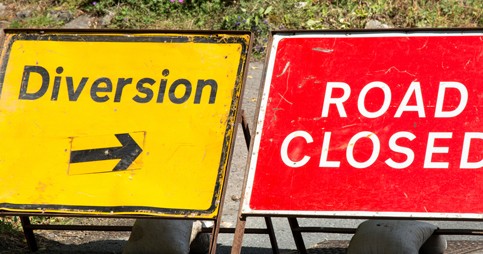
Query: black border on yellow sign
(141, 36)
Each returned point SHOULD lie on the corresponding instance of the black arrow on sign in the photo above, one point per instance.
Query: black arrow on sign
(128, 152)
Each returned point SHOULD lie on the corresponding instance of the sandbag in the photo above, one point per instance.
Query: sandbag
(436, 244)
(199, 242)
(160, 236)
(390, 237)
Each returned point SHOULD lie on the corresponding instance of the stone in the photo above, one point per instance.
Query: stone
(23, 14)
(3, 9)
(4, 24)
(107, 19)
(300, 5)
(83, 21)
(61, 15)
(375, 24)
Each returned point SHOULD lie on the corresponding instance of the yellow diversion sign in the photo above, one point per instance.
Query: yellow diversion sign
(135, 123)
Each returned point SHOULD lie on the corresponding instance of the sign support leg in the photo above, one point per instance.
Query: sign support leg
(238, 237)
(214, 236)
(29, 233)
(271, 235)
(241, 221)
(297, 235)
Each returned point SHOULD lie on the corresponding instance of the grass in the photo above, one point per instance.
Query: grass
(9, 224)
(12, 224)
(259, 16)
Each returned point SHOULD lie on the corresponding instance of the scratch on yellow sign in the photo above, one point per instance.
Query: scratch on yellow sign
(118, 123)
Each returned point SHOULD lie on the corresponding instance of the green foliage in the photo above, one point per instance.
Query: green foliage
(252, 17)
(9, 224)
(261, 16)
(42, 21)
(37, 21)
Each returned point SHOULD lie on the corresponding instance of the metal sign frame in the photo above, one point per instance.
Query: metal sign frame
(240, 38)
(262, 108)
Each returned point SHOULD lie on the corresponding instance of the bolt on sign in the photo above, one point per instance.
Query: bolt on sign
(131, 123)
(370, 123)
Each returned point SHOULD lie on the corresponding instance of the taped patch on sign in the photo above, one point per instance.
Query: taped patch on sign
(106, 153)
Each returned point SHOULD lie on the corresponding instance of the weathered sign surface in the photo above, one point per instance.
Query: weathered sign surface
(370, 124)
(118, 123)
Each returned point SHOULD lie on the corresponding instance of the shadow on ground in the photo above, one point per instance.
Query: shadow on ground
(95, 247)
(116, 246)
(223, 249)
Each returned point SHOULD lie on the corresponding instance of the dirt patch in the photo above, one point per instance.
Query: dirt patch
(61, 241)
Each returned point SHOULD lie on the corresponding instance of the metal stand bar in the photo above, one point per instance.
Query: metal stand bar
(241, 221)
(80, 227)
(353, 231)
(213, 237)
(255, 231)
(217, 226)
(268, 220)
(271, 235)
(29, 233)
(238, 237)
(246, 130)
(27, 225)
(458, 232)
(297, 235)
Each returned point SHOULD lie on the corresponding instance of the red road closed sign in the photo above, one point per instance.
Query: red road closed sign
(370, 124)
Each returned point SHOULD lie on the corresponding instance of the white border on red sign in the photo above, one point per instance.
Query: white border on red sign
(276, 38)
